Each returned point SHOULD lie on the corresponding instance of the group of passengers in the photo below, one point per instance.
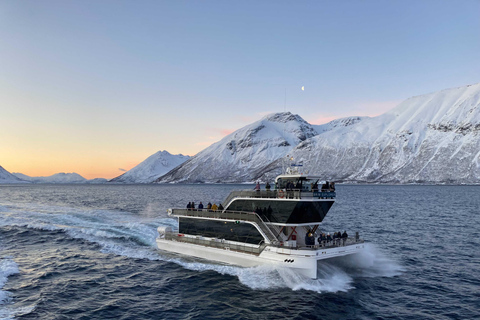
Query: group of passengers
(337, 235)
(210, 207)
(328, 186)
(293, 189)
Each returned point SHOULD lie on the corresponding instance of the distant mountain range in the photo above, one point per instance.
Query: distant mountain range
(58, 178)
(432, 138)
(7, 177)
(146, 172)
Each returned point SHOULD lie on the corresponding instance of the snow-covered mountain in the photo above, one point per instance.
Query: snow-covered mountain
(56, 178)
(7, 177)
(241, 155)
(433, 138)
(151, 168)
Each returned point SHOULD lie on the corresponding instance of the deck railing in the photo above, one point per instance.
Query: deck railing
(255, 249)
(217, 243)
(335, 243)
(229, 215)
(279, 194)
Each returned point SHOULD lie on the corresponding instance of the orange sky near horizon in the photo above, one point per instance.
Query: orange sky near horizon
(46, 152)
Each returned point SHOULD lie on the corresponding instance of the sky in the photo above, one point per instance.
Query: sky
(95, 87)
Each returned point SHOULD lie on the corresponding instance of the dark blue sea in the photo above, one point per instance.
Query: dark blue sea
(88, 252)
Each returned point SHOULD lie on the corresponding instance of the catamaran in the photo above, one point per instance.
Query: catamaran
(280, 227)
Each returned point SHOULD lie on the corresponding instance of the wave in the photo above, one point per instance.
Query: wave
(8, 267)
(133, 235)
(8, 310)
(337, 275)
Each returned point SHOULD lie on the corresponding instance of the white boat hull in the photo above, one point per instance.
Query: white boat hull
(303, 262)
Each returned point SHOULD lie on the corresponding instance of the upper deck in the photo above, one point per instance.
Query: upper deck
(283, 207)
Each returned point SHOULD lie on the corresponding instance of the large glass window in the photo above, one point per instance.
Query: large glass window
(241, 232)
(285, 211)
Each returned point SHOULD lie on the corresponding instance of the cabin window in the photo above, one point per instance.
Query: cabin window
(241, 232)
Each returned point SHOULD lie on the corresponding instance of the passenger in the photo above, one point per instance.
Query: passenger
(332, 186)
(309, 239)
(214, 207)
(334, 236)
(290, 187)
(209, 206)
(189, 206)
(200, 206)
(298, 188)
(320, 240)
(324, 238)
(267, 186)
(193, 205)
(344, 237)
(220, 207)
(329, 237)
(257, 186)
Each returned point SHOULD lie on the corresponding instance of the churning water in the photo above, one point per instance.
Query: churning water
(88, 252)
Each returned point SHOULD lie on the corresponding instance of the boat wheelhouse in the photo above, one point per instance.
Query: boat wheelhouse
(257, 227)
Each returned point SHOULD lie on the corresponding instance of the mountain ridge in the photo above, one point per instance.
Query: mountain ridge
(245, 151)
(151, 168)
(430, 138)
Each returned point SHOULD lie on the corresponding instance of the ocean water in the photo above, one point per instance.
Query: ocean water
(88, 252)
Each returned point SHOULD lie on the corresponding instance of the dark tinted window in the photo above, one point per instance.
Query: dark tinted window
(241, 232)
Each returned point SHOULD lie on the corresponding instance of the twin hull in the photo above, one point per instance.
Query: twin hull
(304, 262)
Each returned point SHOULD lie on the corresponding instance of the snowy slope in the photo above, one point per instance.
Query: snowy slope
(56, 178)
(241, 155)
(7, 177)
(151, 168)
(432, 138)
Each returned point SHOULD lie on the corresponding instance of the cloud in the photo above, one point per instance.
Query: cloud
(123, 170)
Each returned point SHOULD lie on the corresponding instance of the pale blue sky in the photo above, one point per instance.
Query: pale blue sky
(99, 85)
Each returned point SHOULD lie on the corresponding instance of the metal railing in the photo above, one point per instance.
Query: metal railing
(217, 243)
(255, 249)
(279, 194)
(335, 243)
(230, 215)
